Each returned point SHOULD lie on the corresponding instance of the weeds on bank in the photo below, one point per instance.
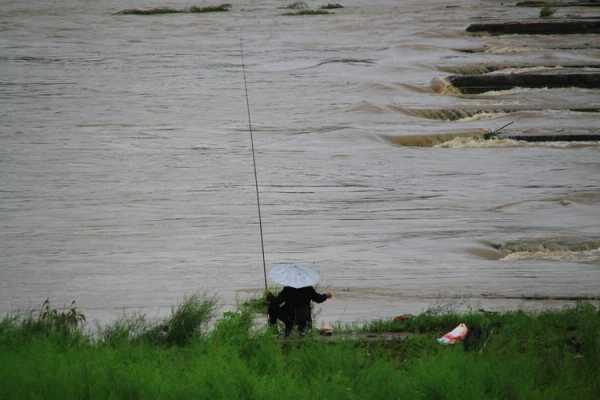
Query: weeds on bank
(188, 320)
(553, 354)
(259, 304)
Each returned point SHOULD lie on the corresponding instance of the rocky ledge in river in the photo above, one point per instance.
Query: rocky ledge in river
(476, 84)
(538, 3)
(536, 27)
(558, 137)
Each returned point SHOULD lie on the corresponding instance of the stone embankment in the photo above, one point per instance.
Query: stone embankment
(554, 4)
(476, 84)
(536, 27)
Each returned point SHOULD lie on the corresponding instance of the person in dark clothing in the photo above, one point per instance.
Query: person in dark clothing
(292, 307)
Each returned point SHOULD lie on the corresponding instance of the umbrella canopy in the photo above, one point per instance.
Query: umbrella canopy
(294, 274)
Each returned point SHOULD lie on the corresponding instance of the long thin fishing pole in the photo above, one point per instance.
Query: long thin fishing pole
(494, 134)
(502, 127)
(262, 242)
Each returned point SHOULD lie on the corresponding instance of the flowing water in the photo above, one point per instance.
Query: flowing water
(126, 177)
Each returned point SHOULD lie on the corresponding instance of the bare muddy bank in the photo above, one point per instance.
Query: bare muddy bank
(537, 27)
(476, 84)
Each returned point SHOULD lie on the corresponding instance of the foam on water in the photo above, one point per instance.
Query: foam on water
(555, 249)
(483, 115)
(587, 256)
(477, 143)
(584, 198)
(566, 249)
(433, 140)
(452, 114)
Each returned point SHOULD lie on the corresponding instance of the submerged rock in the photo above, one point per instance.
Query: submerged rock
(331, 6)
(474, 113)
(308, 12)
(476, 84)
(555, 138)
(537, 27)
(148, 11)
(433, 139)
(207, 9)
(299, 5)
(168, 10)
(479, 69)
(537, 3)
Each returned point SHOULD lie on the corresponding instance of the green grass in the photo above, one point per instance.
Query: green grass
(550, 355)
(256, 304)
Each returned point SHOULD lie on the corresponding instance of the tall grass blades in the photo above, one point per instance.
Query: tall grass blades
(190, 318)
(550, 355)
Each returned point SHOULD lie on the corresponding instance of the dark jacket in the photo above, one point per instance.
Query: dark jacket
(292, 297)
(292, 306)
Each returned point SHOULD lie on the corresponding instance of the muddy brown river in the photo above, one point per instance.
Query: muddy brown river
(126, 173)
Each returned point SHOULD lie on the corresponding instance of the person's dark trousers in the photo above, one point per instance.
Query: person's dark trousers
(303, 319)
(283, 314)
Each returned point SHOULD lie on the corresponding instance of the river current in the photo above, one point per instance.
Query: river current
(126, 173)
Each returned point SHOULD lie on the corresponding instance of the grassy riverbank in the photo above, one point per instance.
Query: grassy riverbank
(554, 354)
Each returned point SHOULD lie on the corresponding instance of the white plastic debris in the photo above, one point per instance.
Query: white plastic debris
(456, 335)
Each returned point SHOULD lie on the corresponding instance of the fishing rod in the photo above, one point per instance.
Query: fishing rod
(494, 134)
(262, 243)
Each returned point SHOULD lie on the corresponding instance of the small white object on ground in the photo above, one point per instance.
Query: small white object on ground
(456, 335)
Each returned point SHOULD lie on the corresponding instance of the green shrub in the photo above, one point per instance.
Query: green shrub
(233, 327)
(190, 318)
(256, 304)
(547, 11)
(50, 320)
(123, 330)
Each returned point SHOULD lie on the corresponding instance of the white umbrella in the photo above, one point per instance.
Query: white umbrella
(294, 274)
